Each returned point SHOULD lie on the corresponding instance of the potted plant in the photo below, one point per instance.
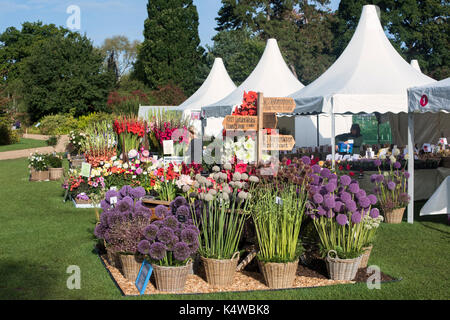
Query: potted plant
(391, 188)
(56, 170)
(39, 167)
(169, 244)
(337, 206)
(278, 212)
(370, 222)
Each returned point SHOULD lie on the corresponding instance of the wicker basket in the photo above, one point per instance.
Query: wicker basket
(114, 258)
(220, 273)
(131, 265)
(39, 175)
(279, 275)
(55, 173)
(365, 256)
(342, 269)
(395, 216)
(171, 279)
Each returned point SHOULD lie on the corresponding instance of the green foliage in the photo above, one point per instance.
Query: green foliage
(52, 141)
(54, 161)
(95, 117)
(7, 135)
(171, 50)
(57, 124)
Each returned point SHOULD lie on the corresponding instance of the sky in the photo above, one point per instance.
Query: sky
(101, 19)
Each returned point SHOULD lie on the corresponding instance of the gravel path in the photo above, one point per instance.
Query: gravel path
(60, 147)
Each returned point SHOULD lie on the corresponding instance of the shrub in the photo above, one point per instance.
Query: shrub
(57, 124)
(53, 141)
(89, 120)
(7, 135)
(54, 161)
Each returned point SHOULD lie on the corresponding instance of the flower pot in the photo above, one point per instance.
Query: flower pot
(394, 216)
(342, 269)
(55, 173)
(131, 265)
(279, 275)
(171, 279)
(113, 258)
(220, 272)
(39, 175)
(365, 257)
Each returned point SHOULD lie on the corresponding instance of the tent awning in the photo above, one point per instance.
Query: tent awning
(430, 98)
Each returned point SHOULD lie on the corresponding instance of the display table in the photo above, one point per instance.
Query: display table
(426, 181)
(439, 203)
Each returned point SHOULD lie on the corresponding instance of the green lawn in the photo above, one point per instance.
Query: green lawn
(41, 236)
(24, 144)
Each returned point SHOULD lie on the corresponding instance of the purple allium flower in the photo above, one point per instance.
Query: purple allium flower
(105, 205)
(193, 227)
(338, 205)
(318, 199)
(353, 187)
(189, 236)
(333, 176)
(341, 219)
(306, 160)
(404, 197)
(325, 172)
(181, 251)
(351, 205)
(321, 211)
(377, 163)
(125, 205)
(157, 251)
(138, 192)
(316, 168)
(330, 214)
(373, 177)
(407, 175)
(194, 246)
(313, 189)
(165, 234)
(161, 211)
(179, 201)
(356, 217)
(143, 247)
(391, 185)
(361, 194)
(151, 231)
(125, 191)
(373, 199)
(315, 179)
(331, 186)
(345, 196)
(345, 180)
(329, 201)
(183, 211)
(172, 242)
(111, 193)
(374, 213)
(99, 230)
(397, 165)
(170, 222)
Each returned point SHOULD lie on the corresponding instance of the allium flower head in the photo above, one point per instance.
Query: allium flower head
(125, 191)
(144, 247)
(331, 186)
(157, 251)
(179, 201)
(161, 211)
(345, 196)
(189, 236)
(338, 205)
(341, 219)
(165, 234)
(306, 160)
(325, 172)
(374, 213)
(138, 192)
(110, 194)
(181, 251)
(151, 231)
(353, 188)
(318, 198)
(316, 168)
(377, 163)
(356, 217)
(351, 205)
(361, 194)
(391, 185)
(329, 201)
(170, 222)
(345, 180)
(397, 165)
(183, 211)
(373, 199)
(321, 211)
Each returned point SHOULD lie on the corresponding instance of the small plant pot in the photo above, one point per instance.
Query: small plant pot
(342, 269)
(39, 175)
(365, 257)
(131, 265)
(220, 272)
(395, 216)
(279, 275)
(171, 279)
(55, 173)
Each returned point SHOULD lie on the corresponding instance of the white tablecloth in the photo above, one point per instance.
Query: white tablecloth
(439, 203)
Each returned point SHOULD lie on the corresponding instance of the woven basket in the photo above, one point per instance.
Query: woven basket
(131, 265)
(342, 269)
(171, 279)
(365, 257)
(395, 216)
(55, 173)
(114, 258)
(39, 175)
(220, 273)
(279, 275)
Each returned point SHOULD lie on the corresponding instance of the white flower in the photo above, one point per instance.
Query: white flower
(406, 156)
(392, 158)
(125, 165)
(396, 152)
(138, 162)
(383, 156)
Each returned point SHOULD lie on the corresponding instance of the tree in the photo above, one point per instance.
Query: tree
(417, 29)
(171, 49)
(64, 74)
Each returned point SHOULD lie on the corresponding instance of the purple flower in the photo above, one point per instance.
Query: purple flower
(331, 186)
(111, 193)
(345, 180)
(306, 160)
(125, 205)
(333, 177)
(183, 211)
(318, 199)
(351, 205)
(330, 214)
(181, 251)
(404, 197)
(345, 196)
(353, 187)
(321, 211)
(179, 201)
(138, 192)
(316, 168)
(151, 231)
(157, 251)
(397, 165)
(99, 230)
(374, 213)
(341, 219)
(373, 199)
(144, 247)
(356, 217)
(165, 234)
(391, 185)
(170, 222)
(361, 194)
(315, 179)
(338, 205)
(407, 175)
(329, 201)
(377, 163)
(325, 172)
(189, 236)
(161, 211)
(125, 191)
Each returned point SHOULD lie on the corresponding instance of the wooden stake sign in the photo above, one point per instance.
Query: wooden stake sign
(270, 120)
(278, 142)
(240, 123)
(279, 105)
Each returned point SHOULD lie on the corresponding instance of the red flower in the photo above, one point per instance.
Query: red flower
(341, 168)
(351, 174)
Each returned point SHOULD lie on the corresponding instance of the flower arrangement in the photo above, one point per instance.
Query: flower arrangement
(172, 240)
(248, 106)
(38, 161)
(131, 132)
(243, 150)
(99, 143)
(166, 182)
(371, 223)
(337, 207)
(76, 140)
(54, 161)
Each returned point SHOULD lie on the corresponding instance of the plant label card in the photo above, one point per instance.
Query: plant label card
(443, 141)
(113, 188)
(329, 157)
(279, 201)
(86, 169)
(113, 200)
(143, 277)
(168, 147)
(426, 147)
(346, 157)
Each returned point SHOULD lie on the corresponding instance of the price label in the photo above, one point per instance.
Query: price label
(113, 200)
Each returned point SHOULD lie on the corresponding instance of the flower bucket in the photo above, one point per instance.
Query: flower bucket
(342, 269)
(395, 216)
(113, 258)
(279, 275)
(39, 175)
(55, 173)
(220, 272)
(131, 264)
(171, 279)
(365, 257)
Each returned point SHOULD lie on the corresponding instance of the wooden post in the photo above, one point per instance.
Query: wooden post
(260, 115)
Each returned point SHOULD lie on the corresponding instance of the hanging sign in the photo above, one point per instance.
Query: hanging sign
(240, 123)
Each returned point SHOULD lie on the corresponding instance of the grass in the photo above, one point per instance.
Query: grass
(41, 236)
(24, 144)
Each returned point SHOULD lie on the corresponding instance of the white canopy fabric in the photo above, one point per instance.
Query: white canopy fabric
(271, 76)
(217, 85)
(370, 76)
(439, 203)
(430, 98)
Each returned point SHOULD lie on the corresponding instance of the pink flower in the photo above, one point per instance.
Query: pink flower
(139, 171)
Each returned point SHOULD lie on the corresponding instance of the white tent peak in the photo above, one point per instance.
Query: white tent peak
(415, 65)
(369, 76)
(217, 85)
(271, 76)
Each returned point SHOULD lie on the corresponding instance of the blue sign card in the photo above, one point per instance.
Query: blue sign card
(144, 276)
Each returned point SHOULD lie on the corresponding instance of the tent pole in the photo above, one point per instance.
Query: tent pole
(333, 142)
(411, 166)
(318, 132)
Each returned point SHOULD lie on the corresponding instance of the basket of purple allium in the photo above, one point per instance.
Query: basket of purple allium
(169, 244)
(391, 188)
